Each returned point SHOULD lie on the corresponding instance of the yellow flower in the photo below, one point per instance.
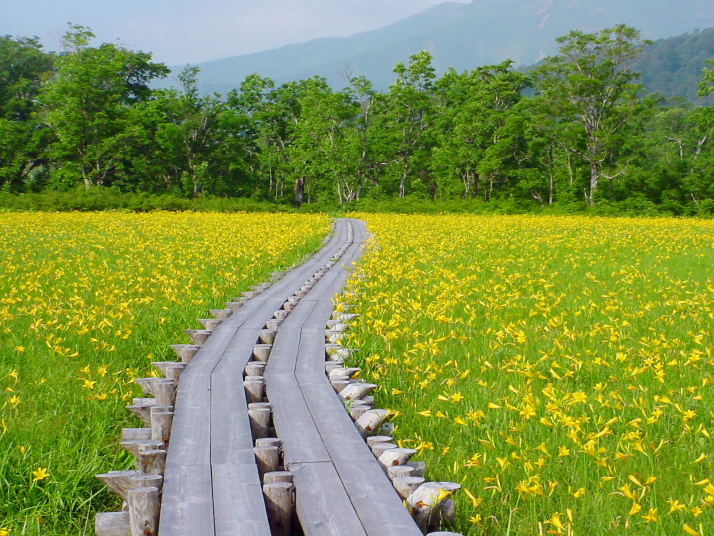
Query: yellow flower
(40, 474)
(689, 530)
(651, 516)
(4, 531)
(636, 507)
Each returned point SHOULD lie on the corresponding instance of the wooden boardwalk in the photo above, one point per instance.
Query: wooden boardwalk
(212, 486)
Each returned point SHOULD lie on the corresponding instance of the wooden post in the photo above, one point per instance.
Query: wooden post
(165, 391)
(259, 420)
(221, 314)
(130, 434)
(370, 422)
(443, 533)
(120, 482)
(261, 352)
(273, 324)
(333, 336)
(267, 458)
(161, 421)
(170, 369)
(267, 336)
(255, 368)
(342, 371)
(281, 314)
(335, 352)
(357, 410)
(339, 384)
(379, 448)
(135, 446)
(280, 505)
(142, 409)
(152, 461)
(144, 511)
(396, 456)
(399, 471)
(210, 323)
(406, 485)
(332, 365)
(356, 390)
(233, 306)
(269, 442)
(112, 524)
(199, 336)
(254, 388)
(185, 352)
(426, 500)
(277, 476)
(378, 439)
(419, 468)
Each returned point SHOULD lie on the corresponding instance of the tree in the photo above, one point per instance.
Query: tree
(86, 106)
(706, 86)
(24, 66)
(407, 117)
(476, 144)
(590, 91)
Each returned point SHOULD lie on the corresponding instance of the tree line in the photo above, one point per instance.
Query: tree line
(575, 131)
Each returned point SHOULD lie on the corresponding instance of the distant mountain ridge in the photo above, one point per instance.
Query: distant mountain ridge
(463, 36)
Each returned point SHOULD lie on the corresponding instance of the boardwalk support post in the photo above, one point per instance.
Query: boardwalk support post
(144, 511)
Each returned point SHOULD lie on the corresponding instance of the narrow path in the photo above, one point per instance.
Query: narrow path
(212, 486)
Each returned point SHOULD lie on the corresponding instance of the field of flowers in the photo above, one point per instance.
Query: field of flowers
(87, 301)
(560, 369)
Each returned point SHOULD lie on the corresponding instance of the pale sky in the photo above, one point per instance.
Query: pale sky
(191, 31)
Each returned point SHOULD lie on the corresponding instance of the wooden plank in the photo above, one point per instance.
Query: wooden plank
(377, 504)
(239, 508)
(323, 507)
(336, 429)
(190, 433)
(230, 437)
(187, 504)
(293, 422)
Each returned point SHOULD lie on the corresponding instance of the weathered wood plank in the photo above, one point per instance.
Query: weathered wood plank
(239, 508)
(293, 422)
(187, 504)
(323, 506)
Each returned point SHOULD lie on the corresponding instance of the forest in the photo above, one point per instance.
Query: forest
(576, 132)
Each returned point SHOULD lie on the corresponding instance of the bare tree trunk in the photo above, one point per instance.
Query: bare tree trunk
(299, 192)
(403, 184)
(594, 180)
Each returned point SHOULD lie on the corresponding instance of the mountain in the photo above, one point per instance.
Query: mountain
(673, 67)
(462, 36)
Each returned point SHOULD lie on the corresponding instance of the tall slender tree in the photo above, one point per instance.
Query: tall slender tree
(590, 91)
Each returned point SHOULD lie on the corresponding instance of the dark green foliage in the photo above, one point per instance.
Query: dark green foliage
(83, 130)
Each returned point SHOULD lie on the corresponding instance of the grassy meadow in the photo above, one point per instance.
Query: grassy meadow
(560, 368)
(87, 301)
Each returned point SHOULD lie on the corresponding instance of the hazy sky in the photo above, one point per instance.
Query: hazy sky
(181, 31)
